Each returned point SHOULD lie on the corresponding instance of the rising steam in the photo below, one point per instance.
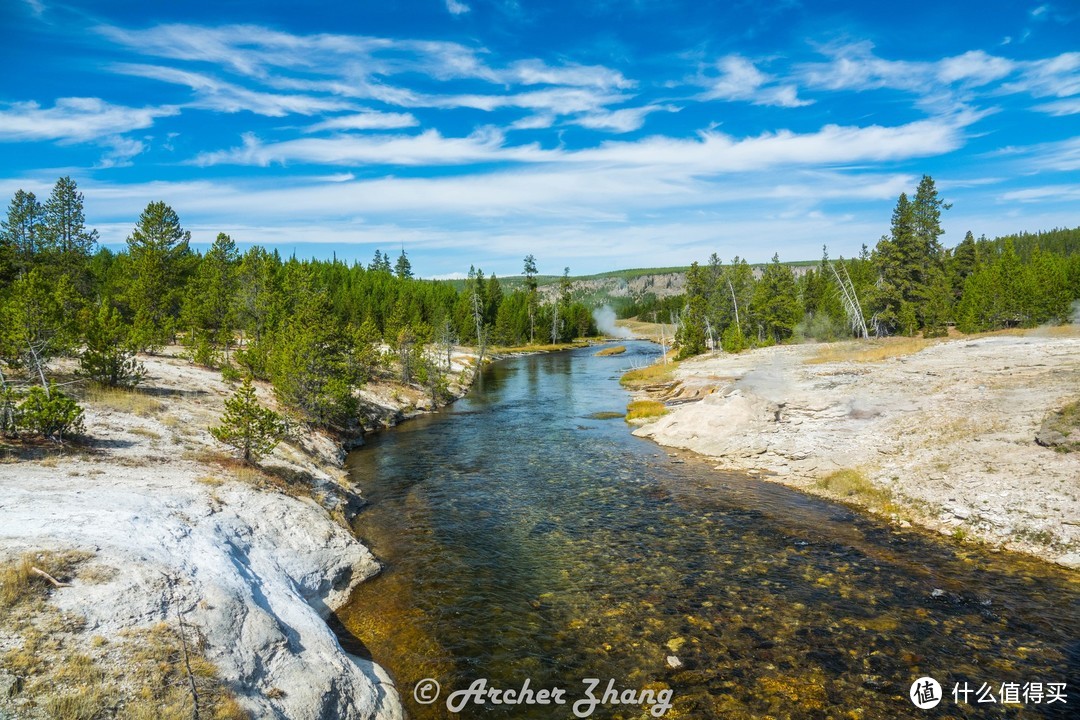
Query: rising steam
(605, 322)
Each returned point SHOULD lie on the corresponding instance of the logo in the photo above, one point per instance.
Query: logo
(925, 693)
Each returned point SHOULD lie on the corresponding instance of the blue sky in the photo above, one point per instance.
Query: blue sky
(595, 135)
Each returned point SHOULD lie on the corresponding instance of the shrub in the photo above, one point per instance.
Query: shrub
(50, 413)
(109, 356)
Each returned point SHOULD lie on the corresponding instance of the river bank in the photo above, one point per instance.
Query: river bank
(936, 433)
(167, 525)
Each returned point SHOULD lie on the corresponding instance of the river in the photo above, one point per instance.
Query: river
(526, 537)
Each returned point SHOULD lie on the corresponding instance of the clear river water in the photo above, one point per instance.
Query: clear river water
(526, 538)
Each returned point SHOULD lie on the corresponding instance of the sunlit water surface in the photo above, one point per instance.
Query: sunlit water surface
(522, 538)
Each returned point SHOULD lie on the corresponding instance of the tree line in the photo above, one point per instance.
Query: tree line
(317, 330)
(910, 283)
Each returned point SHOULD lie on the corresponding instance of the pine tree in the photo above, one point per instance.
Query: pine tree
(776, 301)
(210, 306)
(248, 427)
(64, 222)
(109, 356)
(962, 263)
(158, 248)
(403, 268)
(21, 229)
(529, 272)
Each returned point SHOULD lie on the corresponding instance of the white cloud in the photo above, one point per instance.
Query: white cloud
(367, 121)
(710, 152)
(1046, 193)
(620, 121)
(121, 151)
(739, 79)
(975, 68)
(428, 148)
(1052, 77)
(556, 100)
(74, 119)
(213, 94)
(832, 145)
(1058, 108)
(536, 72)
(457, 8)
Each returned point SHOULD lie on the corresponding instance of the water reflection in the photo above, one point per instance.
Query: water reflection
(525, 539)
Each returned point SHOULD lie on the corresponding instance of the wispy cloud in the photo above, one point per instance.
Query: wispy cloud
(74, 119)
(710, 152)
(620, 121)
(739, 79)
(370, 120)
(214, 94)
(457, 8)
(427, 148)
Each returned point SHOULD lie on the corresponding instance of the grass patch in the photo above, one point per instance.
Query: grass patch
(538, 348)
(615, 350)
(1061, 429)
(875, 350)
(605, 415)
(145, 432)
(644, 377)
(852, 485)
(645, 410)
(121, 400)
(65, 674)
(19, 584)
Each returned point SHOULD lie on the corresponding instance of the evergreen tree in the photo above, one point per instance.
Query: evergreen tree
(248, 427)
(21, 229)
(210, 306)
(962, 263)
(50, 413)
(311, 365)
(64, 222)
(158, 247)
(108, 357)
(529, 272)
(776, 302)
(403, 268)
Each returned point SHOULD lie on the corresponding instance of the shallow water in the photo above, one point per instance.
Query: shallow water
(524, 539)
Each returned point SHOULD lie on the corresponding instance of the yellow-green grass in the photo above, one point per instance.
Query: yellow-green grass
(63, 674)
(614, 350)
(875, 350)
(645, 410)
(852, 485)
(643, 377)
(121, 400)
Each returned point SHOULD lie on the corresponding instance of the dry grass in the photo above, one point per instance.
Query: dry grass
(647, 330)
(1067, 422)
(852, 485)
(125, 401)
(66, 675)
(875, 350)
(145, 432)
(19, 584)
(538, 348)
(645, 410)
(644, 377)
(615, 350)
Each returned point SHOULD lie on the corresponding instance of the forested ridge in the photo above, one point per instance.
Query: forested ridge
(908, 284)
(317, 330)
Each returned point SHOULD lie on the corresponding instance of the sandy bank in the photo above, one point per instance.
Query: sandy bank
(258, 560)
(946, 429)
